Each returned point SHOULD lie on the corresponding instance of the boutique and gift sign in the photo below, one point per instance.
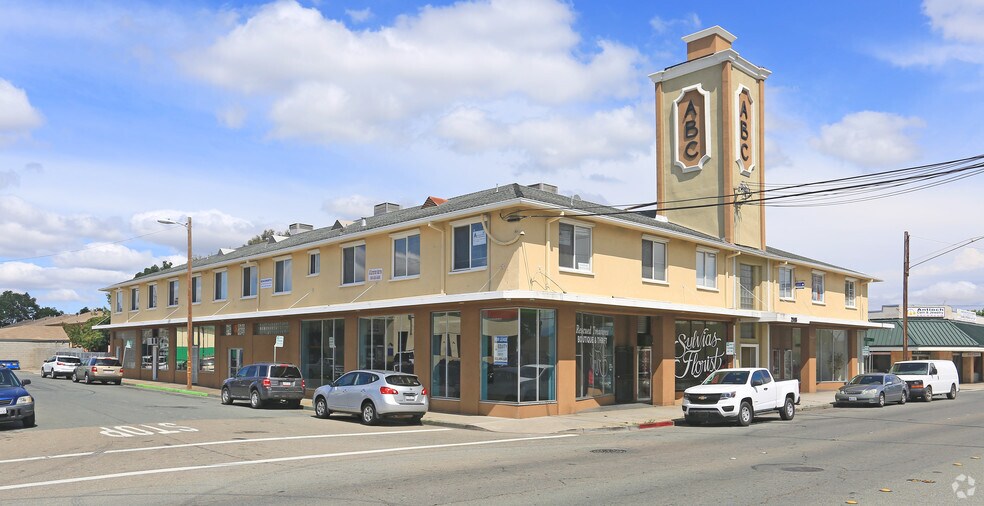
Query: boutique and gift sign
(701, 348)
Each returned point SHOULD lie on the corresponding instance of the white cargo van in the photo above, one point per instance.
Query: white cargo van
(927, 378)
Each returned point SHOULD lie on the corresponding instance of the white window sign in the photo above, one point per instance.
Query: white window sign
(500, 355)
(478, 237)
(375, 274)
(280, 342)
(266, 283)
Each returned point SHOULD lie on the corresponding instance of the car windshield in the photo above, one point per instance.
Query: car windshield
(866, 379)
(282, 371)
(71, 360)
(403, 380)
(727, 378)
(107, 361)
(7, 378)
(910, 368)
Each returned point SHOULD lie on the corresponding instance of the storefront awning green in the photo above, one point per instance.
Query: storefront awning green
(928, 333)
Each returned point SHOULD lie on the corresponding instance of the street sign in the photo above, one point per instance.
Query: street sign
(729, 348)
(280, 342)
(865, 351)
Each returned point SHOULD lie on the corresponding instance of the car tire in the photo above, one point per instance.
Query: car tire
(881, 400)
(28, 421)
(321, 408)
(745, 414)
(294, 404)
(42, 373)
(788, 409)
(417, 419)
(904, 398)
(254, 399)
(952, 394)
(75, 378)
(369, 415)
(88, 380)
(226, 397)
(928, 394)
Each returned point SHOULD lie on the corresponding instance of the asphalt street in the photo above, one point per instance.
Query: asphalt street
(144, 448)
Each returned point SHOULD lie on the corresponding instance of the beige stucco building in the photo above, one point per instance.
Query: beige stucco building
(518, 301)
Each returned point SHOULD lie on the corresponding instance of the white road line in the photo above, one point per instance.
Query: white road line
(224, 442)
(268, 461)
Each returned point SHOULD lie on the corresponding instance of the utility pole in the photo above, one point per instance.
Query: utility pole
(905, 300)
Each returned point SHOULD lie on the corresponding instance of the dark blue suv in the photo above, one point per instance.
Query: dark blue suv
(15, 402)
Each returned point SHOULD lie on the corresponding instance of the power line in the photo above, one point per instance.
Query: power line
(83, 249)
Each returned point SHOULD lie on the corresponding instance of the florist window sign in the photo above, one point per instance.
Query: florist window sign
(700, 350)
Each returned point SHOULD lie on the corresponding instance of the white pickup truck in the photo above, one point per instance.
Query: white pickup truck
(739, 395)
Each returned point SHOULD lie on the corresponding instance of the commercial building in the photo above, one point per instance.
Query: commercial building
(519, 301)
(935, 332)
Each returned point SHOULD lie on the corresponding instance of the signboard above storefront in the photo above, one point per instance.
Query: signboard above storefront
(926, 312)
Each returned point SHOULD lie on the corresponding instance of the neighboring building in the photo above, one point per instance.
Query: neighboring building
(935, 332)
(33, 341)
(517, 301)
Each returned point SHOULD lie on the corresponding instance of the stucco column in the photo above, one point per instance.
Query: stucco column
(663, 330)
(852, 353)
(566, 360)
(808, 371)
(470, 351)
(967, 370)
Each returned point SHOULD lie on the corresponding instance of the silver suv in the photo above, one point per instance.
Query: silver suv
(265, 382)
(59, 365)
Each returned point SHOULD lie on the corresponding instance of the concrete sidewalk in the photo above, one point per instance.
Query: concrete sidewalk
(607, 418)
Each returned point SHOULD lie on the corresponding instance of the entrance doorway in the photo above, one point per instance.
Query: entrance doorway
(786, 352)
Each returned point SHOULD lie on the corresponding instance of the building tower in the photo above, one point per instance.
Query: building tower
(710, 140)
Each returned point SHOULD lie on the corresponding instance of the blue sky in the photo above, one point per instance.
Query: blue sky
(254, 115)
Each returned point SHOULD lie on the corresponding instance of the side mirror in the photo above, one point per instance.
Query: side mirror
(26, 382)
(757, 383)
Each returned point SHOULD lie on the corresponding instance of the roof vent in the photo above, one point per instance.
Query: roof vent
(433, 201)
(340, 224)
(385, 207)
(226, 251)
(544, 187)
(274, 239)
(298, 228)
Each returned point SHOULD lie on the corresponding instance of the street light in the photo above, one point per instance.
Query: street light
(188, 301)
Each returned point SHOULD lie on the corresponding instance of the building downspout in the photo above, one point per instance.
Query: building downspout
(444, 258)
(546, 252)
(734, 283)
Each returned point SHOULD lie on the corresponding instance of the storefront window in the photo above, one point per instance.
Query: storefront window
(204, 339)
(595, 352)
(322, 350)
(149, 339)
(700, 350)
(445, 346)
(129, 338)
(831, 355)
(519, 352)
(386, 342)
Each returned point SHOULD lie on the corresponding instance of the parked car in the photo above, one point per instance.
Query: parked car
(265, 382)
(10, 364)
(872, 388)
(15, 402)
(60, 365)
(738, 395)
(104, 369)
(926, 378)
(373, 394)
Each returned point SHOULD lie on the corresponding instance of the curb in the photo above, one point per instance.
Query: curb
(654, 425)
(166, 389)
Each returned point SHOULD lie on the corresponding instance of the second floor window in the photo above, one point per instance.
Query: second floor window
(850, 296)
(469, 248)
(314, 263)
(151, 296)
(575, 247)
(406, 256)
(653, 260)
(196, 289)
(706, 269)
(818, 287)
(172, 292)
(134, 299)
(785, 282)
(354, 264)
(249, 281)
(282, 276)
(221, 285)
(119, 301)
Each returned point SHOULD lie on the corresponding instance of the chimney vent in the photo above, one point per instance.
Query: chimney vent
(297, 228)
(385, 207)
(545, 187)
(707, 42)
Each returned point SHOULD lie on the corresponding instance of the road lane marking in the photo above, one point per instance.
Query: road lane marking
(269, 461)
(223, 442)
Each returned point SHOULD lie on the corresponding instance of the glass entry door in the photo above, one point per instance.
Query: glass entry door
(644, 374)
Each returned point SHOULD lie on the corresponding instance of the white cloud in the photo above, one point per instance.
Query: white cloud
(349, 207)
(211, 229)
(870, 138)
(107, 257)
(17, 116)
(233, 116)
(959, 20)
(44, 232)
(63, 295)
(9, 178)
(661, 26)
(330, 84)
(949, 292)
(359, 16)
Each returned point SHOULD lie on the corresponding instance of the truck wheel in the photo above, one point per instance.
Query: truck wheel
(953, 392)
(788, 409)
(928, 394)
(745, 414)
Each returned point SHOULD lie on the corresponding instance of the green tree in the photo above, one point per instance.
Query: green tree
(19, 307)
(980, 312)
(265, 236)
(82, 335)
(165, 265)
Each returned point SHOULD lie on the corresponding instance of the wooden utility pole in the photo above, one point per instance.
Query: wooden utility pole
(905, 300)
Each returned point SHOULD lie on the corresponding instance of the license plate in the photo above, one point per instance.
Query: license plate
(409, 397)
(286, 383)
(3, 411)
(852, 398)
